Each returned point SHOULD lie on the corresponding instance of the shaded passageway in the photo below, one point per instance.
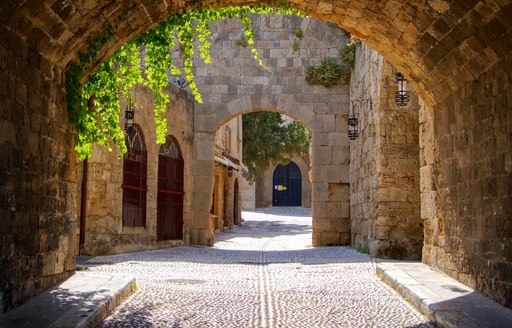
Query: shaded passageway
(262, 274)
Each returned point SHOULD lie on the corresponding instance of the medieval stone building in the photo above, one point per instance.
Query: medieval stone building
(456, 54)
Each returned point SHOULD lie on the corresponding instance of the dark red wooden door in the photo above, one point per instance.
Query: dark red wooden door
(134, 180)
(170, 192)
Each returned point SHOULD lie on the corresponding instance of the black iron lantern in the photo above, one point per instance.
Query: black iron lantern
(402, 92)
(353, 133)
(181, 82)
(129, 115)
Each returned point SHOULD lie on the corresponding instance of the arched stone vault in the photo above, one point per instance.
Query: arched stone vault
(439, 45)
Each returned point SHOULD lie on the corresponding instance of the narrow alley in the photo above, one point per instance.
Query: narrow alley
(262, 274)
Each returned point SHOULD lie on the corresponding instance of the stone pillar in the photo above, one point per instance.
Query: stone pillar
(202, 186)
(330, 181)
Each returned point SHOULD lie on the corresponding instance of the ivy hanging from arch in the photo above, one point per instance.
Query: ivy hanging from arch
(95, 105)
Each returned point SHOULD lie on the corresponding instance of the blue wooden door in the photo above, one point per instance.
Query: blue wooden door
(287, 185)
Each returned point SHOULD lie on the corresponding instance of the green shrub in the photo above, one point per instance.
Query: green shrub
(242, 41)
(361, 248)
(298, 33)
(328, 73)
(295, 46)
(348, 53)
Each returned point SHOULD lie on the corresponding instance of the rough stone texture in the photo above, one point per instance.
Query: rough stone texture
(384, 160)
(104, 230)
(264, 185)
(439, 45)
(248, 193)
(38, 204)
(235, 84)
(466, 172)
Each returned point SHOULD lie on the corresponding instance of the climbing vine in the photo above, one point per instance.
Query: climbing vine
(95, 105)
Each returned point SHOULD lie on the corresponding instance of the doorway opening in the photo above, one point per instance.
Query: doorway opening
(170, 191)
(287, 185)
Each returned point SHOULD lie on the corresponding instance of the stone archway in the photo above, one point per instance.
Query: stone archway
(329, 179)
(457, 54)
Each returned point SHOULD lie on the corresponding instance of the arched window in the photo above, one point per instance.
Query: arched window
(135, 180)
(170, 191)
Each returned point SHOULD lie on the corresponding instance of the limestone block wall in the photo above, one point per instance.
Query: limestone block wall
(104, 230)
(235, 84)
(248, 195)
(38, 204)
(264, 185)
(385, 197)
(466, 183)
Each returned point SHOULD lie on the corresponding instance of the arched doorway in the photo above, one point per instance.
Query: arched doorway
(287, 185)
(236, 206)
(170, 191)
(135, 180)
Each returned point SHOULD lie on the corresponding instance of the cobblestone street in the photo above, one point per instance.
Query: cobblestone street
(262, 274)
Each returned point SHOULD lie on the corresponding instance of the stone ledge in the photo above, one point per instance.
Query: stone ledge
(443, 300)
(83, 300)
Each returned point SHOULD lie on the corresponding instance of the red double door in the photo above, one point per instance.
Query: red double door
(170, 195)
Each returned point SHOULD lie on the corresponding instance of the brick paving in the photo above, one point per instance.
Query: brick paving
(262, 274)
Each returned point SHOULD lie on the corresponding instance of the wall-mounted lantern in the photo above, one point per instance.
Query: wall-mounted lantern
(353, 121)
(353, 133)
(181, 82)
(129, 115)
(402, 90)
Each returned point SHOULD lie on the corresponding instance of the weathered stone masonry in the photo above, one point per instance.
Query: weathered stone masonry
(235, 84)
(104, 230)
(38, 203)
(384, 161)
(466, 183)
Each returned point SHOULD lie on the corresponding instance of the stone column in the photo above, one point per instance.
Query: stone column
(202, 186)
(330, 182)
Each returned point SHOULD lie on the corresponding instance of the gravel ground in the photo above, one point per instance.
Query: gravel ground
(262, 274)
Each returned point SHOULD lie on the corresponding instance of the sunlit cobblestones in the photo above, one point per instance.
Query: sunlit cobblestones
(263, 274)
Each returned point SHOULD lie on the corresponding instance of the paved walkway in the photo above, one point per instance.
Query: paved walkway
(263, 274)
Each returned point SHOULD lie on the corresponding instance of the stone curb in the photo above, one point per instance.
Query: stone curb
(443, 300)
(82, 301)
(99, 304)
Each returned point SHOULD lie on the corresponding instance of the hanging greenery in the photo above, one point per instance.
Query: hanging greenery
(95, 105)
(267, 140)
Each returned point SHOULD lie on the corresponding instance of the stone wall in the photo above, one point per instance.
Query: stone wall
(38, 204)
(384, 160)
(235, 84)
(466, 172)
(104, 230)
(248, 194)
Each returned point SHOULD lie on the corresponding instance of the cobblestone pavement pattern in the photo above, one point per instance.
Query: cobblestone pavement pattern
(262, 274)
